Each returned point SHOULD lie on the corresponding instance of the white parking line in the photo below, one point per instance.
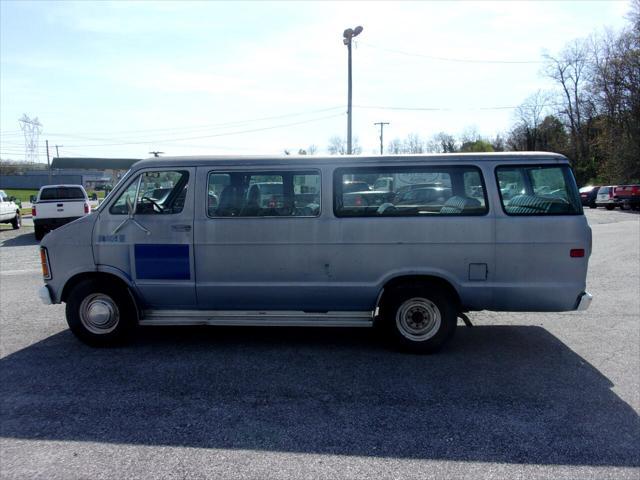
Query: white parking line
(20, 272)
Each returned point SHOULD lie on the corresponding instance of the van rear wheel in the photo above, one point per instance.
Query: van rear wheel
(419, 319)
(100, 314)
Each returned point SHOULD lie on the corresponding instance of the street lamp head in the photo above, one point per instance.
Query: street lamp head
(349, 33)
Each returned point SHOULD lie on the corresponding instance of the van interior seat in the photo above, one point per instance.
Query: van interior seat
(523, 204)
(457, 205)
(231, 201)
(252, 208)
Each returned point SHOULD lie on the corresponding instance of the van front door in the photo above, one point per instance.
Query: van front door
(147, 234)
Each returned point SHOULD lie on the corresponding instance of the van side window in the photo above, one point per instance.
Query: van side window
(538, 190)
(154, 193)
(409, 191)
(263, 194)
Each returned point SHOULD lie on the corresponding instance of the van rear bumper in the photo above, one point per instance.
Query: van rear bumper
(584, 300)
(53, 223)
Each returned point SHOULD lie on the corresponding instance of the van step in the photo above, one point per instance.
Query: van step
(257, 318)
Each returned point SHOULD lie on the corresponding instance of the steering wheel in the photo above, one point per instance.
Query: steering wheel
(155, 204)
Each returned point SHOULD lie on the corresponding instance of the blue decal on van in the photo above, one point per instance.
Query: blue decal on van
(162, 262)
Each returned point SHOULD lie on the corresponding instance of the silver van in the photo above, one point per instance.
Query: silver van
(287, 241)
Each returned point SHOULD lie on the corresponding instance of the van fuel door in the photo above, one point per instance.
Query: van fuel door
(478, 271)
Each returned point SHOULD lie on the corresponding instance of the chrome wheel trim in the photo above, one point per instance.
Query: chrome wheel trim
(418, 319)
(99, 313)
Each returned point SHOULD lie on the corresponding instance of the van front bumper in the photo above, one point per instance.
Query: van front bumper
(584, 300)
(45, 295)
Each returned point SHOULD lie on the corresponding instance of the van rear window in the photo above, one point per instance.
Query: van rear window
(62, 193)
(409, 191)
(538, 190)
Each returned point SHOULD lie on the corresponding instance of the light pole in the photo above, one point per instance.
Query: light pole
(348, 34)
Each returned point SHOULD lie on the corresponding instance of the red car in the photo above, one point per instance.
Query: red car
(627, 196)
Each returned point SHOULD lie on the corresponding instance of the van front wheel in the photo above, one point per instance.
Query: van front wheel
(419, 319)
(99, 314)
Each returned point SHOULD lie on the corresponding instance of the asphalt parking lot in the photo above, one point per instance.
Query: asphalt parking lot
(516, 396)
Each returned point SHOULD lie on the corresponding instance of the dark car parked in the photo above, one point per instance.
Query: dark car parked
(588, 196)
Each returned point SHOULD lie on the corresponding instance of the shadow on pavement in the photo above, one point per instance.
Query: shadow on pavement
(498, 394)
(23, 239)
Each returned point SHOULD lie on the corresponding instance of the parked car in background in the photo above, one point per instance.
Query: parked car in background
(350, 186)
(384, 184)
(627, 196)
(588, 196)
(9, 211)
(605, 197)
(58, 205)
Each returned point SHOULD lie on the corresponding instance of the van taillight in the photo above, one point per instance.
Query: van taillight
(576, 253)
(33, 211)
(86, 208)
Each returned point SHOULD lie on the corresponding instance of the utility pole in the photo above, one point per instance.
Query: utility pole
(57, 152)
(348, 35)
(48, 163)
(382, 124)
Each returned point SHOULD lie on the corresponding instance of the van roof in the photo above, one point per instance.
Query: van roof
(344, 160)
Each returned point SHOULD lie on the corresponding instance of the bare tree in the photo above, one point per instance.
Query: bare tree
(413, 144)
(569, 69)
(338, 146)
(442, 143)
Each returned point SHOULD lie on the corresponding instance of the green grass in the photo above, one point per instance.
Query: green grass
(22, 195)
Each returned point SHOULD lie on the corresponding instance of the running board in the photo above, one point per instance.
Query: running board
(257, 318)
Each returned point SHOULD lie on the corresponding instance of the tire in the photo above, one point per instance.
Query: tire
(609, 207)
(16, 223)
(39, 232)
(419, 319)
(101, 314)
(593, 205)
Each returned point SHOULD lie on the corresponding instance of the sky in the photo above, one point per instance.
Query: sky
(121, 79)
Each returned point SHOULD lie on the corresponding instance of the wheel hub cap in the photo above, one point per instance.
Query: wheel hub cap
(99, 313)
(418, 319)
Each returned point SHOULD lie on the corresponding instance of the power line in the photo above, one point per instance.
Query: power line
(239, 132)
(194, 128)
(446, 109)
(449, 59)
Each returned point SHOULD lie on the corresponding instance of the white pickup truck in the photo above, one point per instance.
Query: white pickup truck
(9, 211)
(58, 205)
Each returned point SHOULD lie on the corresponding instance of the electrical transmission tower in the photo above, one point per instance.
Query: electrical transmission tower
(31, 130)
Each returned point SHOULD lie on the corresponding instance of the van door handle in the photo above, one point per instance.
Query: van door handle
(181, 228)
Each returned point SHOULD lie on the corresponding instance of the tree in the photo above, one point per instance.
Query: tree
(476, 146)
(570, 70)
(413, 144)
(442, 143)
(395, 147)
(338, 146)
